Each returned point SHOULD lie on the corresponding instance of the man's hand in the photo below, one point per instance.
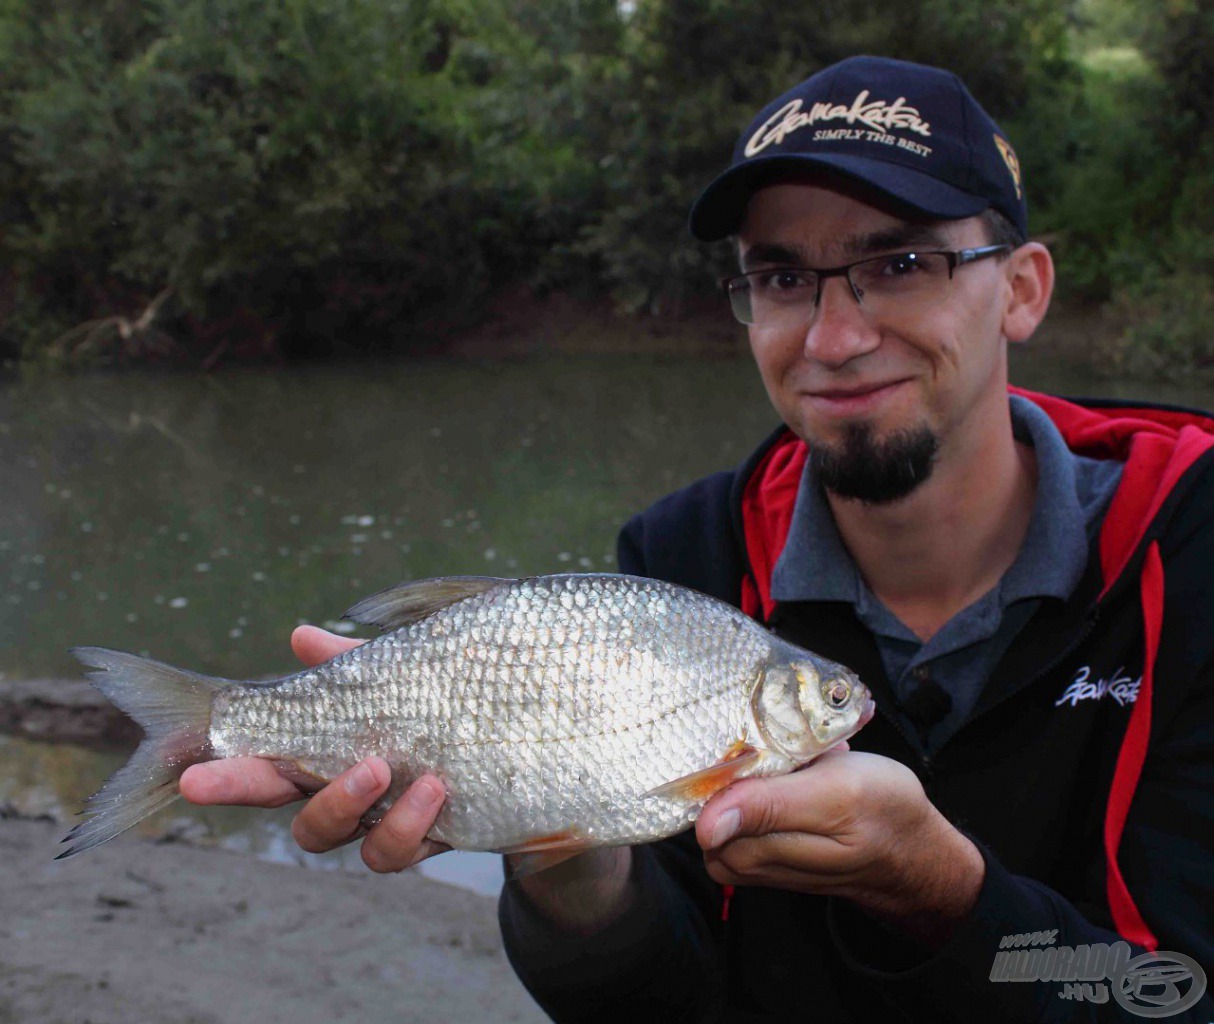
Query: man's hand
(333, 817)
(853, 825)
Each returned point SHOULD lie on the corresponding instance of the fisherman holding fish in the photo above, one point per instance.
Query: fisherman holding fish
(974, 553)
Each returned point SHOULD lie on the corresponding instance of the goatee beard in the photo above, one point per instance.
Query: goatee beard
(875, 470)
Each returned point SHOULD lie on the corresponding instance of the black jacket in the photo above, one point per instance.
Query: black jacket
(1094, 810)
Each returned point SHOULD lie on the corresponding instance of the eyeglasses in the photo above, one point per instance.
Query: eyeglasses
(897, 283)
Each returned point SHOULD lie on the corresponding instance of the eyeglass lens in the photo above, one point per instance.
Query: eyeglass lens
(885, 284)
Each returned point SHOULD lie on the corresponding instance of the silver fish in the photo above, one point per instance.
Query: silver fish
(561, 712)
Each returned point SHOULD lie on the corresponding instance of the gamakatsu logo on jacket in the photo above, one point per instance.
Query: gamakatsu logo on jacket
(1119, 686)
(875, 118)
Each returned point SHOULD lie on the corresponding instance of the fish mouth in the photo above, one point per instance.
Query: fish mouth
(866, 715)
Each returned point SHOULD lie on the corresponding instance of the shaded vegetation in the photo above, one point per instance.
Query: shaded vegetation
(210, 179)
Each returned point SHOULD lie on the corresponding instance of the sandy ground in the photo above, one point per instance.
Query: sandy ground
(145, 932)
(138, 932)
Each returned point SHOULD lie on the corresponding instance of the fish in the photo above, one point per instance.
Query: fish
(561, 712)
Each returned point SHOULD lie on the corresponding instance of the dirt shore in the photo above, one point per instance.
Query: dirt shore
(137, 932)
(145, 932)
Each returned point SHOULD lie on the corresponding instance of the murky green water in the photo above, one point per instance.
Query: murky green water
(198, 519)
(201, 518)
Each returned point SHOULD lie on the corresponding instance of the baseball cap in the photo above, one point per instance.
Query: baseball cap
(909, 132)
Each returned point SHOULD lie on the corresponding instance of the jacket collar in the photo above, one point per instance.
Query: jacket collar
(1158, 444)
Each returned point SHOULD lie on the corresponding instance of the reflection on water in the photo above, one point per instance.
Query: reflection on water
(199, 518)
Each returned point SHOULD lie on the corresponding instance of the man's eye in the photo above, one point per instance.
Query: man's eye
(781, 280)
(901, 265)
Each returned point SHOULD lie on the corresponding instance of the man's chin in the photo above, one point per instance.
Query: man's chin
(877, 469)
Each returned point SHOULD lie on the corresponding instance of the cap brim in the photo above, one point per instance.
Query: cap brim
(721, 206)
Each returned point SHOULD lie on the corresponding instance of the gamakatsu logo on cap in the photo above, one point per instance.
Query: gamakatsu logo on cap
(878, 116)
(1009, 158)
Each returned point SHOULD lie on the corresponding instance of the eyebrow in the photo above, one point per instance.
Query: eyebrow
(898, 237)
(901, 236)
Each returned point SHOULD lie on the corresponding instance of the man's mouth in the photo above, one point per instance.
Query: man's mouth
(855, 391)
(855, 398)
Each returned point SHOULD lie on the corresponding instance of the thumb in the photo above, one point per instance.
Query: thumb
(758, 807)
(748, 808)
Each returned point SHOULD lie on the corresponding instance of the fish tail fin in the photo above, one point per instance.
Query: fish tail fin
(174, 708)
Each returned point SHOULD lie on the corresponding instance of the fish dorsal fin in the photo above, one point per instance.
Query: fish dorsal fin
(407, 603)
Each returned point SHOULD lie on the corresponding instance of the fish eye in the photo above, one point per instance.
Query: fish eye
(838, 694)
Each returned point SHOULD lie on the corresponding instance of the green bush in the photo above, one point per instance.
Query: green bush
(342, 163)
(213, 177)
(1136, 213)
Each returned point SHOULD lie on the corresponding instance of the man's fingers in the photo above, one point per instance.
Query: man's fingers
(399, 841)
(332, 817)
(312, 645)
(245, 781)
(816, 800)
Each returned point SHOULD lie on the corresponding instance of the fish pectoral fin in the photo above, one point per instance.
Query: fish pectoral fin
(407, 603)
(543, 852)
(699, 786)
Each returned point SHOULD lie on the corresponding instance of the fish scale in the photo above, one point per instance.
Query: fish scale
(534, 713)
(569, 710)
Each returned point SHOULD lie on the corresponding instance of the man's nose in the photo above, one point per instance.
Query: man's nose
(840, 329)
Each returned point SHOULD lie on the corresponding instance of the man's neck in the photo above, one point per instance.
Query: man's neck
(946, 544)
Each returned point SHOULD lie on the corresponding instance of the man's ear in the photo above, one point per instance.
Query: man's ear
(1030, 274)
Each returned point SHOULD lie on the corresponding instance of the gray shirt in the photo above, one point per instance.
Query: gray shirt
(1073, 493)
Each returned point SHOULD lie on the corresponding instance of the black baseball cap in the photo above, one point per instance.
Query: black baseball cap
(911, 133)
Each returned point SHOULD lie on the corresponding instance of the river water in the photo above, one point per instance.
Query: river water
(199, 518)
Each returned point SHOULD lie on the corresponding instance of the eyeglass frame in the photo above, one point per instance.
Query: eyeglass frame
(956, 258)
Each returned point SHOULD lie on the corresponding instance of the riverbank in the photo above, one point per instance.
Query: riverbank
(63, 711)
(520, 325)
(163, 933)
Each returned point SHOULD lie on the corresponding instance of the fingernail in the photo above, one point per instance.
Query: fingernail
(423, 795)
(361, 781)
(726, 827)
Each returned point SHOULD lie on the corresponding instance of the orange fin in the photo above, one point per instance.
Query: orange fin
(544, 852)
(699, 786)
(303, 777)
(532, 863)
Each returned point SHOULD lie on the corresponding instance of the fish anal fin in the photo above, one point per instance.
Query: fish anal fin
(299, 773)
(411, 602)
(543, 852)
(699, 786)
(525, 864)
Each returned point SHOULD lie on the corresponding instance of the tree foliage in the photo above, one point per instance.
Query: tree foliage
(281, 177)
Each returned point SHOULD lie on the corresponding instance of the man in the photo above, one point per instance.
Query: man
(1021, 581)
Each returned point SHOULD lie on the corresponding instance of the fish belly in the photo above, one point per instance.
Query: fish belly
(594, 786)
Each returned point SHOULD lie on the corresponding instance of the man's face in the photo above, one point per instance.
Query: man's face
(879, 399)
